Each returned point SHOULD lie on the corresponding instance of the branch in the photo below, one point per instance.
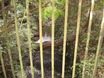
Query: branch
(6, 29)
(36, 8)
(59, 42)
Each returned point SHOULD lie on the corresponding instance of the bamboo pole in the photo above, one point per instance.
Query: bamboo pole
(18, 40)
(101, 35)
(40, 32)
(77, 36)
(88, 38)
(52, 45)
(65, 37)
(29, 38)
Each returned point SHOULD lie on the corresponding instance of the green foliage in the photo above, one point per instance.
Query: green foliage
(61, 2)
(90, 66)
(20, 8)
(100, 4)
(47, 13)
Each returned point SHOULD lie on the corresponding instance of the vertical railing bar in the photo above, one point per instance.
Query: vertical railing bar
(88, 37)
(40, 35)
(77, 36)
(10, 56)
(1, 57)
(2, 63)
(18, 40)
(52, 47)
(7, 38)
(65, 36)
(99, 45)
(29, 37)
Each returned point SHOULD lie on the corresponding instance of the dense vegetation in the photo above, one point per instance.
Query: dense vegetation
(8, 39)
